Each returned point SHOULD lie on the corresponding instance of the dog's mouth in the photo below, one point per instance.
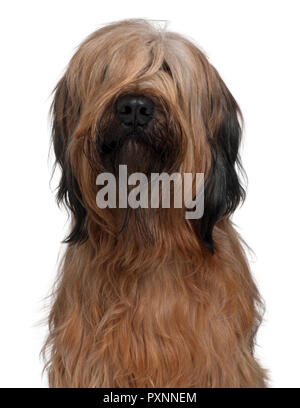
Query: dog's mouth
(120, 141)
(138, 155)
(142, 151)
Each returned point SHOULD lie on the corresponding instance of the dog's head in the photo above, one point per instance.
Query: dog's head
(136, 95)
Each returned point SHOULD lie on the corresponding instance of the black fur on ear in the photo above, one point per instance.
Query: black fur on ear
(223, 190)
(65, 112)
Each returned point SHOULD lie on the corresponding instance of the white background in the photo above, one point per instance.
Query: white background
(255, 47)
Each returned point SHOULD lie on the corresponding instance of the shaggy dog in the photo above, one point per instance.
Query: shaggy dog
(146, 297)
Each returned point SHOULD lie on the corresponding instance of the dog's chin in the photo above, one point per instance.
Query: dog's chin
(139, 156)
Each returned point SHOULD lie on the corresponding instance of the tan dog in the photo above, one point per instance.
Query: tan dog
(145, 297)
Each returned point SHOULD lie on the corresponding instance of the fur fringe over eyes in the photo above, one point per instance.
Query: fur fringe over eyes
(146, 298)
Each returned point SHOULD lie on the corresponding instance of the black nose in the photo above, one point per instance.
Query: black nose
(135, 110)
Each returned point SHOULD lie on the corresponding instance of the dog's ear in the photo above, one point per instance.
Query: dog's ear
(65, 112)
(223, 190)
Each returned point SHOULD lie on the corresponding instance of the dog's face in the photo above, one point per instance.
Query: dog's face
(149, 99)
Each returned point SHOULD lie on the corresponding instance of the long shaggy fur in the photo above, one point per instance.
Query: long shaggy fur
(146, 298)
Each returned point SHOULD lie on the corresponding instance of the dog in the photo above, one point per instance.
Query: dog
(145, 297)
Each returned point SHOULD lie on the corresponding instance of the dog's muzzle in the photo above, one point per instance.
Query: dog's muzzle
(137, 134)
